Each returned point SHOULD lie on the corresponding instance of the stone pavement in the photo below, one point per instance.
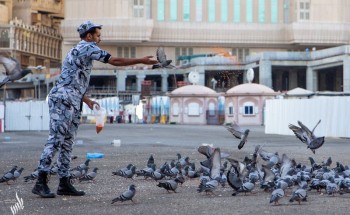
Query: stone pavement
(138, 141)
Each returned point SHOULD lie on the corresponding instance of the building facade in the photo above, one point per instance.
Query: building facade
(30, 32)
(280, 39)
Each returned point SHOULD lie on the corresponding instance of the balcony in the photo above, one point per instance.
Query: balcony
(114, 29)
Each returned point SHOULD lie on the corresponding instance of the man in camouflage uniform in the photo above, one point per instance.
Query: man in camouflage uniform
(65, 104)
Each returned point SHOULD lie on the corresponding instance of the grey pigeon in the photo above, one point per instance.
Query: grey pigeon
(306, 136)
(90, 176)
(127, 195)
(276, 195)
(34, 175)
(13, 70)
(128, 173)
(8, 175)
(17, 173)
(209, 186)
(245, 188)
(299, 195)
(239, 133)
(163, 62)
(169, 185)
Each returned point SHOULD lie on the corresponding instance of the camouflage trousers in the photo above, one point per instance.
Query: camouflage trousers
(64, 123)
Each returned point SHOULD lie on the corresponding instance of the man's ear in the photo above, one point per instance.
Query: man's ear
(89, 36)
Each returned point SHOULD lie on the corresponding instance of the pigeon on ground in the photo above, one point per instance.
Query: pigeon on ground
(276, 195)
(163, 62)
(306, 136)
(129, 173)
(34, 175)
(299, 195)
(90, 176)
(127, 195)
(169, 185)
(13, 70)
(8, 175)
(239, 133)
(83, 166)
(246, 187)
(17, 173)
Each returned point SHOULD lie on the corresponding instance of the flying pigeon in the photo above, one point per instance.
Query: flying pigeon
(163, 62)
(13, 70)
(239, 133)
(306, 136)
(127, 195)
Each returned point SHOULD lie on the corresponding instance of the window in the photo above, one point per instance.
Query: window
(249, 11)
(148, 12)
(199, 10)
(160, 10)
(173, 10)
(241, 53)
(193, 109)
(261, 11)
(237, 11)
(274, 11)
(126, 52)
(224, 10)
(230, 109)
(138, 8)
(182, 51)
(211, 109)
(304, 10)
(211, 11)
(248, 108)
(175, 109)
(186, 10)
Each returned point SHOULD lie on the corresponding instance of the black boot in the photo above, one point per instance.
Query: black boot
(66, 188)
(41, 187)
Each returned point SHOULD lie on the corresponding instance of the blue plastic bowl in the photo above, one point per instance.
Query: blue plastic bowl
(94, 155)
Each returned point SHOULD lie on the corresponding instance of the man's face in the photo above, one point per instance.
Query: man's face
(96, 37)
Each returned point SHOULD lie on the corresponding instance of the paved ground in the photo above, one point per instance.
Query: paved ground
(163, 141)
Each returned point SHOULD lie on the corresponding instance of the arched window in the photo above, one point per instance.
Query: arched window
(211, 109)
(193, 109)
(249, 109)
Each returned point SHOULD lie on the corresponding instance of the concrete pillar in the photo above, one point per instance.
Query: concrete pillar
(293, 79)
(346, 75)
(265, 73)
(121, 77)
(165, 82)
(140, 78)
(311, 79)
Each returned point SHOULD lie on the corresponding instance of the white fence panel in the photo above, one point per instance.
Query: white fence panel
(332, 111)
(26, 116)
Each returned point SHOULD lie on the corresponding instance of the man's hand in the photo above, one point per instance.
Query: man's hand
(89, 102)
(147, 60)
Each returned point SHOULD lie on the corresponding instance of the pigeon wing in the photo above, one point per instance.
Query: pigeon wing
(309, 134)
(235, 130)
(161, 57)
(298, 132)
(215, 164)
(9, 64)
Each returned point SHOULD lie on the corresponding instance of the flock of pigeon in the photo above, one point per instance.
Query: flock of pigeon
(267, 171)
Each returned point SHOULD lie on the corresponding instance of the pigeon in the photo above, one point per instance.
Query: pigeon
(17, 174)
(245, 187)
(306, 136)
(13, 70)
(276, 195)
(129, 173)
(163, 62)
(90, 176)
(34, 175)
(127, 195)
(169, 185)
(8, 175)
(83, 166)
(239, 133)
(208, 186)
(299, 195)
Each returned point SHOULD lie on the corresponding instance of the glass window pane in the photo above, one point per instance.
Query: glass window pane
(211, 11)
(249, 11)
(132, 52)
(274, 11)
(237, 11)
(173, 10)
(307, 15)
(120, 52)
(199, 10)
(261, 11)
(224, 10)
(190, 51)
(307, 5)
(186, 10)
(301, 5)
(126, 52)
(148, 9)
(160, 10)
